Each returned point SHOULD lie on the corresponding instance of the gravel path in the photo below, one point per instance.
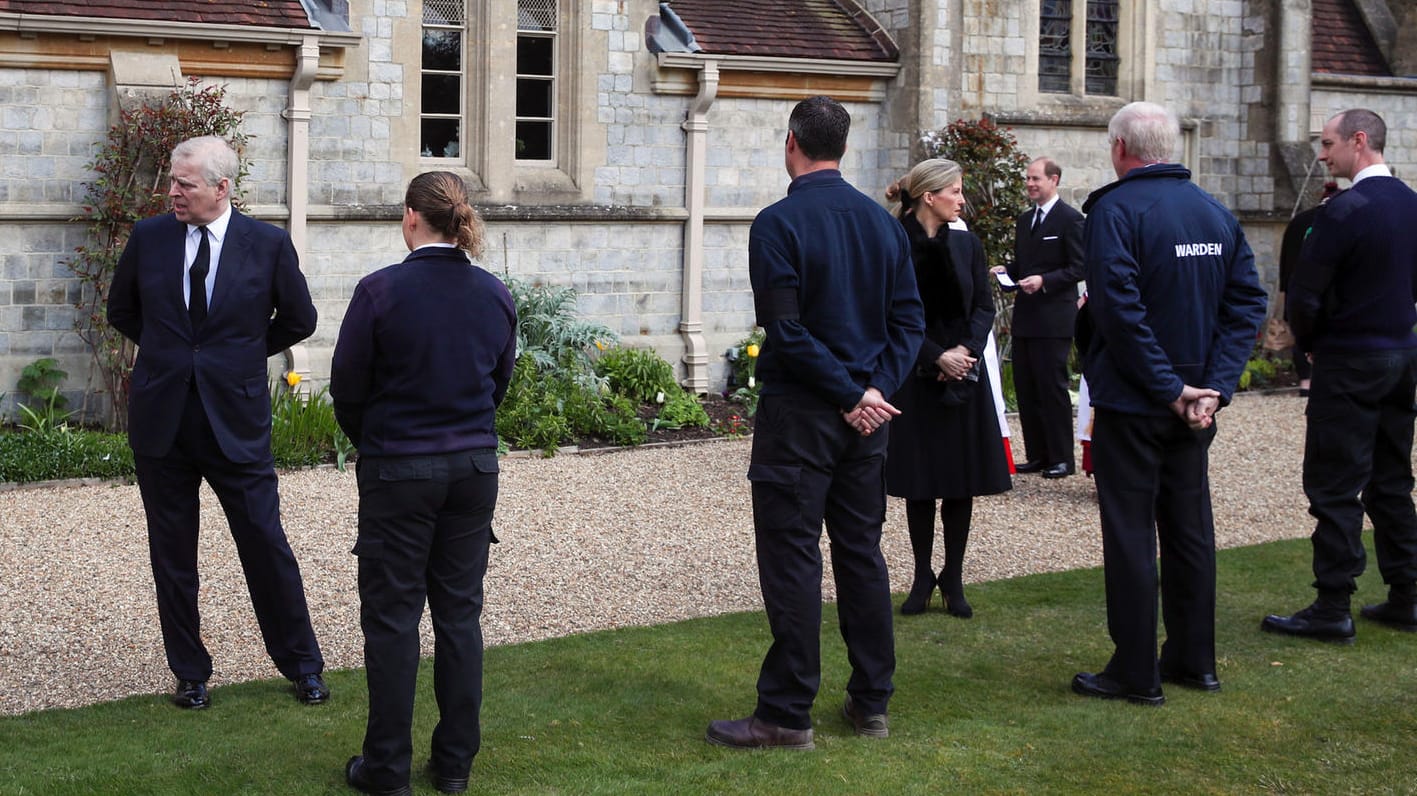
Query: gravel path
(588, 542)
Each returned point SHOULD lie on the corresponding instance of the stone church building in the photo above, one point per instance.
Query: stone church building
(623, 147)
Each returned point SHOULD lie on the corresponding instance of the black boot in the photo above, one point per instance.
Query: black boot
(920, 520)
(955, 515)
(1327, 619)
(1400, 610)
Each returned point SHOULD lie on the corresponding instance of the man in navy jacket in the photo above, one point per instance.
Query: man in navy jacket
(1351, 304)
(208, 294)
(1176, 303)
(835, 293)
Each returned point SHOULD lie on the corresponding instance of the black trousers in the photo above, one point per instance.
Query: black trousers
(1045, 409)
(1153, 485)
(1359, 441)
(169, 486)
(808, 466)
(425, 526)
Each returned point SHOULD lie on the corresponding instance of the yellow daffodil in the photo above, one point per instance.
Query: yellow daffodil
(600, 345)
(292, 378)
(752, 350)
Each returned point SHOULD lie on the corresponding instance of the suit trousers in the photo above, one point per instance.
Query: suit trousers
(425, 526)
(808, 467)
(1045, 410)
(169, 485)
(1153, 484)
(1359, 441)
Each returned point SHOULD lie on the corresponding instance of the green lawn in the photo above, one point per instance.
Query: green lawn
(981, 706)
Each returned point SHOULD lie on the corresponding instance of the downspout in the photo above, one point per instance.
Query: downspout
(297, 180)
(691, 326)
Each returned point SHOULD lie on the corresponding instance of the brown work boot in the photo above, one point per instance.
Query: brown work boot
(754, 733)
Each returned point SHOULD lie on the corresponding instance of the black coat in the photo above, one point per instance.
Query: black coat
(940, 449)
(1054, 252)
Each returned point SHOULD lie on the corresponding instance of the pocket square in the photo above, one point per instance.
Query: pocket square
(1050, 237)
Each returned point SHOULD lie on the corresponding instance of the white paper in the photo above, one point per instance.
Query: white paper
(1004, 280)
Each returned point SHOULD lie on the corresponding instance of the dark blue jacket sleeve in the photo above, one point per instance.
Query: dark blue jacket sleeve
(352, 368)
(1242, 309)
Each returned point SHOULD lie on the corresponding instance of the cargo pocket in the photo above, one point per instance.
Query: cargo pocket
(368, 549)
(777, 499)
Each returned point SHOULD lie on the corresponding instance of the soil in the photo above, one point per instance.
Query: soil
(726, 419)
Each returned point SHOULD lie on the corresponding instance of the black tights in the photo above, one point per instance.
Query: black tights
(955, 515)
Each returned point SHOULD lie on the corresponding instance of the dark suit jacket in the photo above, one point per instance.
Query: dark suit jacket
(1054, 252)
(260, 305)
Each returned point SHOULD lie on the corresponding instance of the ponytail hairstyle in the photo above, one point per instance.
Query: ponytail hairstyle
(441, 198)
(928, 176)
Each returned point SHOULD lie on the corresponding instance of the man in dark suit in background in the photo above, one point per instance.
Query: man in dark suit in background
(1350, 303)
(1047, 267)
(208, 294)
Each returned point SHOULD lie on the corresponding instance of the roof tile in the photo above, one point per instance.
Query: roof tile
(826, 29)
(261, 13)
(1342, 43)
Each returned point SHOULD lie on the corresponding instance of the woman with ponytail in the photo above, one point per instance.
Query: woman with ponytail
(424, 357)
(945, 443)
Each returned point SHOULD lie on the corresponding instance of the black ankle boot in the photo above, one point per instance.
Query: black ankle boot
(955, 516)
(920, 521)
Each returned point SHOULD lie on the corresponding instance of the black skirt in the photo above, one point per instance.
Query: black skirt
(940, 450)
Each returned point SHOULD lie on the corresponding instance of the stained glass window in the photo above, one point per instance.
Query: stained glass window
(1055, 22)
(1100, 67)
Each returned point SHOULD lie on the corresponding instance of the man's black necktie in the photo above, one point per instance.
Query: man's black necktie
(1037, 219)
(197, 302)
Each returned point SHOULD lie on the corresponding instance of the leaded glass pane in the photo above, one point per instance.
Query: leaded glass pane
(443, 12)
(537, 15)
(1100, 69)
(1055, 23)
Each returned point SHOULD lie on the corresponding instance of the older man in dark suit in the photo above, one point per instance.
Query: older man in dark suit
(208, 294)
(1047, 267)
(1350, 303)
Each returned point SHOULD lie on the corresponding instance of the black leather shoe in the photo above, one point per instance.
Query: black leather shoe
(1103, 687)
(310, 689)
(754, 733)
(191, 695)
(1394, 615)
(1029, 467)
(1059, 470)
(355, 775)
(1199, 682)
(868, 725)
(446, 784)
(1309, 623)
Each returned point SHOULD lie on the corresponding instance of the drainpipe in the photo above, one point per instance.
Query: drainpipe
(692, 292)
(297, 181)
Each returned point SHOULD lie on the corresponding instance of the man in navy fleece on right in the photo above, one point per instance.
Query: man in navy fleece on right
(1350, 303)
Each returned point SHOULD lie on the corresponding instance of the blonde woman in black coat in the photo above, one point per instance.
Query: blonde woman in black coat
(945, 445)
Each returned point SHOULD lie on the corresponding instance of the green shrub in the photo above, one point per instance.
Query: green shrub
(63, 452)
(550, 334)
(681, 409)
(303, 430)
(543, 411)
(639, 374)
(1259, 372)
